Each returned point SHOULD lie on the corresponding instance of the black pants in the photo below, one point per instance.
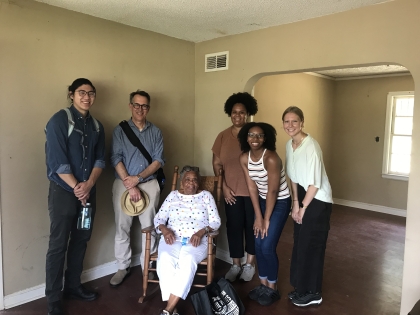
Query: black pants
(63, 209)
(240, 221)
(310, 239)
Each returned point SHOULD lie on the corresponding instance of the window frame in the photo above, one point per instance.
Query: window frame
(390, 110)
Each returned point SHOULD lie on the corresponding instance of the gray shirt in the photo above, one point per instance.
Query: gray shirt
(133, 160)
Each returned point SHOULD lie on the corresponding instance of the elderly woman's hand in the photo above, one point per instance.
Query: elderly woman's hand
(195, 239)
(167, 234)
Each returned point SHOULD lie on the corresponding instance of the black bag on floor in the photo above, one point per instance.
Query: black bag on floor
(218, 298)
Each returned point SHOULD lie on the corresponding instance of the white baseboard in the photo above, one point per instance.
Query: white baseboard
(37, 292)
(367, 206)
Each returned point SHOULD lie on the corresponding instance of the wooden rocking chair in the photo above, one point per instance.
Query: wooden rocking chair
(212, 184)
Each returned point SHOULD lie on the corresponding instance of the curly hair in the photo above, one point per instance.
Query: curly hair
(245, 99)
(269, 131)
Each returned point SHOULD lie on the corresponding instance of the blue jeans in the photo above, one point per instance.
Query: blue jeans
(265, 249)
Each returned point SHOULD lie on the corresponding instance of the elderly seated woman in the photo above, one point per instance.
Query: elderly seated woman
(184, 221)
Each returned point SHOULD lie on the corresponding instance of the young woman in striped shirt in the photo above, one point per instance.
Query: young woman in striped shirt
(270, 198)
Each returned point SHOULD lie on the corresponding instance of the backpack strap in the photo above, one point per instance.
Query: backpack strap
(95, 122)
(70, 121)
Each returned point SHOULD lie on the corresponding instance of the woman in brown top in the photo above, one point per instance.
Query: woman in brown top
(238, 205)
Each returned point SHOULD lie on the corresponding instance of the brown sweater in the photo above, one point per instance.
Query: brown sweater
(226, 148)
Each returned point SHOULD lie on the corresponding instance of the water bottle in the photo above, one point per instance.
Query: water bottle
(85, 217)
(185, 240)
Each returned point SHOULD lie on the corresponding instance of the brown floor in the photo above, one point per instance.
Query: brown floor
(363, 272)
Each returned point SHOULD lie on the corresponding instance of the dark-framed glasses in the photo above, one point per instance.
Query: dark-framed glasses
(255, 135)
(83, 93)
(142, 106)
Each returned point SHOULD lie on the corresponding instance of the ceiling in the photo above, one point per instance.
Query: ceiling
(201, 20)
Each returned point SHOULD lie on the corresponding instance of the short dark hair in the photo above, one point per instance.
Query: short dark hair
(77, 83)
(188, 168)
(295, 110)
(269, 131)
(141, 93)
(245, 99)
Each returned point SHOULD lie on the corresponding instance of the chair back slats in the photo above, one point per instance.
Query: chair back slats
(174, 178)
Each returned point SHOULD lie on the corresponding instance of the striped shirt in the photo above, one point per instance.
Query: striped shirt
(259, 175)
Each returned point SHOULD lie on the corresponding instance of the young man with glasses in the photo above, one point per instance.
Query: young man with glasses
(75, 156)
(133, 172)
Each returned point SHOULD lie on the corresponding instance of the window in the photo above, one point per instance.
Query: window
(398, 131)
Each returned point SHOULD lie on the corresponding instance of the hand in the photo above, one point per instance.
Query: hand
(266, 225)
(130, 182)
(195, 239)
(295, 211)
(135, 194)
(82, 190)
(84, 200)
(299, 215)
(168, 235)
(229, 195)
(258, 227)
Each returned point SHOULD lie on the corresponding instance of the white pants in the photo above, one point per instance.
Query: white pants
(176, 267)
(123, 222)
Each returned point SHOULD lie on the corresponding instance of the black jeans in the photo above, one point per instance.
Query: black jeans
(310, 240)
(64, 207)
(240, 221)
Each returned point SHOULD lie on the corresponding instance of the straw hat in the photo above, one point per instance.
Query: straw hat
(134, 208)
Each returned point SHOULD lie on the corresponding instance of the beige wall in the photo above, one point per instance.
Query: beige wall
(380, 34)
(345, 117)
(42, 50)
(359, 117)
(314, 95)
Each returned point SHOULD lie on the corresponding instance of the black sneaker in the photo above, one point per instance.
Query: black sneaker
(291, 295)
(255, 293)
(307, 299)
(268, 296)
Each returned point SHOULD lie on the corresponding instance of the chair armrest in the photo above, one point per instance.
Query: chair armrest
(148, 229)
(213, 234)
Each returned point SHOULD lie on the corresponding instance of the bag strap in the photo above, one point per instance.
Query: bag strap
(134, 140)
(70, 121)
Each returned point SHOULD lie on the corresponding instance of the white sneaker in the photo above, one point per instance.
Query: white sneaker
(233, 273)
(248, 272)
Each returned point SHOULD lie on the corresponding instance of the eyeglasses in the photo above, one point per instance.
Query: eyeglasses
(142, 106)
(83, 93)
(255, 135)
(188, 168)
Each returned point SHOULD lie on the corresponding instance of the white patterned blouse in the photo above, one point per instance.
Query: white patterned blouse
(187, 214)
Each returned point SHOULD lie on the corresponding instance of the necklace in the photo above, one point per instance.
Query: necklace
(297, 144)
(253, 156)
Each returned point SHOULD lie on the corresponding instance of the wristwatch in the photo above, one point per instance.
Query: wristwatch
(139, 178)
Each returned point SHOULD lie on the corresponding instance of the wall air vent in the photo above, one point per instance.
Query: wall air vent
(217, 61)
